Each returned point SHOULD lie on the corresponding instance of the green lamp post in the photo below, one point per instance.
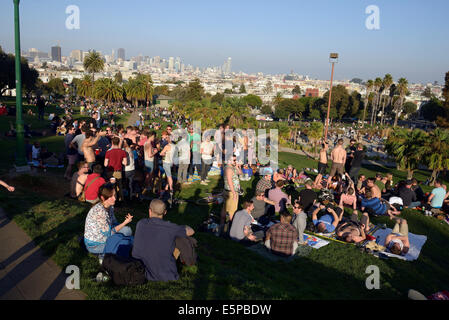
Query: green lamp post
(21, 161)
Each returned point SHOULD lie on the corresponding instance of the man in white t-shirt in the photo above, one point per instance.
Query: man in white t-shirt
(206, 150)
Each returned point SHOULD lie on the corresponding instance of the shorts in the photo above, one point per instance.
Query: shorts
(337, 168)
(231, 204)
(149, 165)
(322, 167)
(72, 158)
(167, 169)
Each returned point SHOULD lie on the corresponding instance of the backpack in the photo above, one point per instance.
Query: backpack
(82, 196)
(186, 246)
(119, 244)
(124, 271)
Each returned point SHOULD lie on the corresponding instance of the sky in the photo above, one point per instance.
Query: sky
(272, 37)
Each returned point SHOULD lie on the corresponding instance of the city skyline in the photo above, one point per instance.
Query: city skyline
(291, 37)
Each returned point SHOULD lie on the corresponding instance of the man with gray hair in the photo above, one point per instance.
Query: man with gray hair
(155, 243)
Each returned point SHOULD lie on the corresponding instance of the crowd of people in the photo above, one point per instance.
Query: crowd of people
(115, 164)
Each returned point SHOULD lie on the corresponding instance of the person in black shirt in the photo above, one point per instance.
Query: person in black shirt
(40, 107)
(307, 197)
(408, 196)
(356, 163)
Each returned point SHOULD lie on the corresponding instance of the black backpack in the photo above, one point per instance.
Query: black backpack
(124, 271)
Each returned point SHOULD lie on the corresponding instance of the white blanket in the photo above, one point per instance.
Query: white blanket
(416, 244)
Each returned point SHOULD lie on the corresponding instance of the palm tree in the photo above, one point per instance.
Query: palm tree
(402, 89)
(147, 85)
(135, 91)
(369, 86)
(407, 148)
(93, 63)
(377, 90)
(108, 89)
(437, 152)
(386, 83)
(84, 87)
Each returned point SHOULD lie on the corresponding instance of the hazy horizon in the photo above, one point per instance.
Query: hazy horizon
(273, 38)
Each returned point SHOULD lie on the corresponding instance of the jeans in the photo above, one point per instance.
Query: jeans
(414, 204)
(354, 173)
(130, 177)
(295, 246)
(99, 249)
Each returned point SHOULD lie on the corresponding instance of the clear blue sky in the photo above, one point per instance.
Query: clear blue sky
(268, 36)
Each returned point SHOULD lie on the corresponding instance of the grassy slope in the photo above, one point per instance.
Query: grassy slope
(225, 269)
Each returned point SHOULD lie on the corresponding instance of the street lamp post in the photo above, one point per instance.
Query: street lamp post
(21, 161)
(333, 58)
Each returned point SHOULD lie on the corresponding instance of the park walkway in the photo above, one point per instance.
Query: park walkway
(25, 272)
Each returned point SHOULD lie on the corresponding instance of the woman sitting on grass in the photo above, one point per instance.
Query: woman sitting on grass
(101, 222)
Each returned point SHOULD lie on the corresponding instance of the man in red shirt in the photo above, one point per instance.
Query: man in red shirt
(93, 183)
(114, 161)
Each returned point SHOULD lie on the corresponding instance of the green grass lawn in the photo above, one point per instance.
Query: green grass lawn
(227, 270)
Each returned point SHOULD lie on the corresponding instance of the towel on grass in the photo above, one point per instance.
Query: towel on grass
(416, 244)
(315, 242)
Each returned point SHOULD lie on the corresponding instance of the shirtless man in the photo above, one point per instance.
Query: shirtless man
(78, 180)
(149, 153)
(322, 165)
(88, 144)
(371, 184)
(355, 231)
(338, 157)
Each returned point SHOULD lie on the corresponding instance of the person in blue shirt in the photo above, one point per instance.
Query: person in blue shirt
(437, 196)
(376, 207)
(329, 220)
(155, 243)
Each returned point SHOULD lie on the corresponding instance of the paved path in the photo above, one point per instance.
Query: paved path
(25, 272)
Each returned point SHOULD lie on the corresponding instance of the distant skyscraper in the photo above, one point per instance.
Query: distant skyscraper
(228, 69)
(56, 54)
(121, 54)
(171, 63)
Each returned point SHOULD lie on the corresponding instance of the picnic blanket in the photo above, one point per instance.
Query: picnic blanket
(416, 244)
(315, 242)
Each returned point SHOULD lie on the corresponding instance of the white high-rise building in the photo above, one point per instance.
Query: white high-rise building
(228, 66)
(77, 55)
(171, 63)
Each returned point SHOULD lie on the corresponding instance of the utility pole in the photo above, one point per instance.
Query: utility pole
(333, 58)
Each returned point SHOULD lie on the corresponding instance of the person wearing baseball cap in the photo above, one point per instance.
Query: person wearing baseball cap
(408, 196)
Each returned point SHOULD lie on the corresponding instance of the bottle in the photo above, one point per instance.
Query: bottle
(101, 277)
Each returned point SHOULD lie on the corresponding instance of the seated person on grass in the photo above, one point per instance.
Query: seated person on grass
(155, 243)
(241, 226)
(282, 238)
(376, 207)
(299, 221)
(279, 197)
(349, 199)
(397, 241)
(101, 222)
(330, 217)
(437, 196)
(355, 230)
(307, 197)
(260, 206)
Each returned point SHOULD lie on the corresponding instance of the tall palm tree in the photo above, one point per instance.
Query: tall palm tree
(93, 63)
(108, 89)
(377, 90)
(386, 83)
(369, 86)
(135, 91)
(402, 89)
(147, 85)
(436, 150)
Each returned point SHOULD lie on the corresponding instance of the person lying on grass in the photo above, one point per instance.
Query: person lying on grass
(355, 230)
(330, 217)
(376, 207)
(397, 241)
